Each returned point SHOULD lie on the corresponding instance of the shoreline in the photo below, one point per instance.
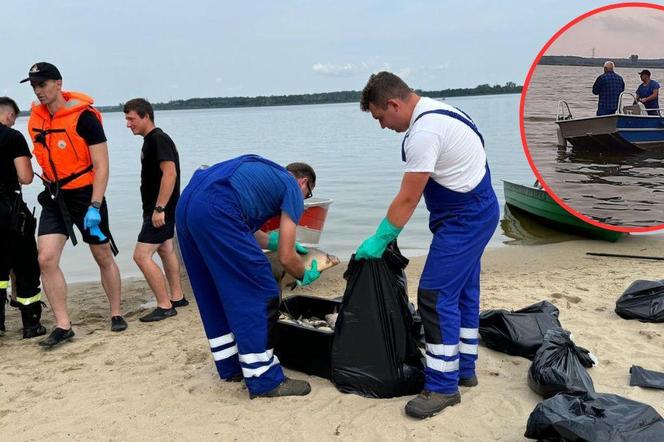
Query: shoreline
(110, 386)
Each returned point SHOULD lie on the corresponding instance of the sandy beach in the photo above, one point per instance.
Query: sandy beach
(157, 381)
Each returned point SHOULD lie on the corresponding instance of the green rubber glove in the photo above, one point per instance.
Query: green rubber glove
(273, 243)
(310, 275)
(374, 246)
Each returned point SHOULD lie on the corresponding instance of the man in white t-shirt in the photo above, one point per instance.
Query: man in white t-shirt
(445, 161)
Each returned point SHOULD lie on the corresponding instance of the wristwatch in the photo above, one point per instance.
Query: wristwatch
(96, 205)
(159, 209)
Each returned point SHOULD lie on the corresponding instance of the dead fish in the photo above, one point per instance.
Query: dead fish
(285, 280)
(313, 322)
(331, 319)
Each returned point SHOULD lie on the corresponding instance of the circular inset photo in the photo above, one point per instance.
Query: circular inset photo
(592, 122)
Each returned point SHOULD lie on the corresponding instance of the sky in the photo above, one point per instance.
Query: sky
(617, 33)
(164, 50)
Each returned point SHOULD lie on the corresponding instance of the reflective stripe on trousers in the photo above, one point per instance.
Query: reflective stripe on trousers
(231, 278)
(449, 290)
(30, 300)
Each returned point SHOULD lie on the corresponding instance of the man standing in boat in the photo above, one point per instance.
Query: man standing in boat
(608, 86)
(445, 161)
(648, 92)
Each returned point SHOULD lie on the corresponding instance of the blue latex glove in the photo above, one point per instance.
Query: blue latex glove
(310, 275)
(91, 222)
(273, 243)
(374, 246)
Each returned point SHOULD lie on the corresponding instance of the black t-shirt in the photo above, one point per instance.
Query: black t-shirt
(90, 128)
(158, 147)
(12, 145)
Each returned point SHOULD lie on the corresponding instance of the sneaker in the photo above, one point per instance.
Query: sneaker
(57, 336)
(289, 387)
(158, 314)
(180, 302)
(429, 403)
(468, 382)
(118, 324)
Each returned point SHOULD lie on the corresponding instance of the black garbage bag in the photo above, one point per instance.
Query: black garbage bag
(643, 300)
(375, 352)
(598, 417)
(518, 333)
(560, 366)
(640, 377)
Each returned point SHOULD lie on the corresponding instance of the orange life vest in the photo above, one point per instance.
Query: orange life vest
(57, 144)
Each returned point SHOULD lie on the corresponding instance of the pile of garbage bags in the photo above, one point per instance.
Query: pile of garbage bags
(572, 409)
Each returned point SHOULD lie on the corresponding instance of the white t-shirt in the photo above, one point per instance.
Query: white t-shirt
(444, 146)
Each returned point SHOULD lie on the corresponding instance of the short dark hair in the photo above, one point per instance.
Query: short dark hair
(382, 87)
(141, 106)
(303, 170)
(8, 102)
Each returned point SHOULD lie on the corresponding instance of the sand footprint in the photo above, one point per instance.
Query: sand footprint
(569, 298)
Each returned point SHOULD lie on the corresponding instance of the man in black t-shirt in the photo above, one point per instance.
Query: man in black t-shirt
(18, 250)
(160, 190)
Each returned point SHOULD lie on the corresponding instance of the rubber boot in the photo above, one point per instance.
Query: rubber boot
(31, 316)
(3, 302)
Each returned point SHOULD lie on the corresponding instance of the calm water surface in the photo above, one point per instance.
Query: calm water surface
(358, 165)
(621, 190)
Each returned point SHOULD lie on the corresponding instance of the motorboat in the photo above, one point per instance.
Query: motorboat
(632, 127)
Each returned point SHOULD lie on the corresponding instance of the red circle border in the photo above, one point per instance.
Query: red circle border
(522, 103)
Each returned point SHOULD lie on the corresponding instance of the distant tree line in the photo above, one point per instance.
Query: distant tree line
(319, 98)
(632, 62)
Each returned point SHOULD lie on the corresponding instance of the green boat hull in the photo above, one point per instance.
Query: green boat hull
(538, 203)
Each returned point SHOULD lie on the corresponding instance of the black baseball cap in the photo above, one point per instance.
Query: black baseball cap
(43, 71)
(645, 71)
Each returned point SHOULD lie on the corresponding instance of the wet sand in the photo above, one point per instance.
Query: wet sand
(158, 382)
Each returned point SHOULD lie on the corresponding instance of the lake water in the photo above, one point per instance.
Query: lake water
(358, 165)
(621, 190)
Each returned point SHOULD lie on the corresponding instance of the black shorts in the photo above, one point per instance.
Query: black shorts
(156, 235)
(77, 202)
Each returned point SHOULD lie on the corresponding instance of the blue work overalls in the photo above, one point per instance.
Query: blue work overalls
(448, 296)
(231, 277)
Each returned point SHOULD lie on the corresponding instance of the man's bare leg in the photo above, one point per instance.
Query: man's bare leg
(110, 275)
(171, 264)
(143, 254)
(53, 280)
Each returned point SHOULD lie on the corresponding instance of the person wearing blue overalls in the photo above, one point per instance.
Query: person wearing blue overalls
(445, 161)
(218, 217)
